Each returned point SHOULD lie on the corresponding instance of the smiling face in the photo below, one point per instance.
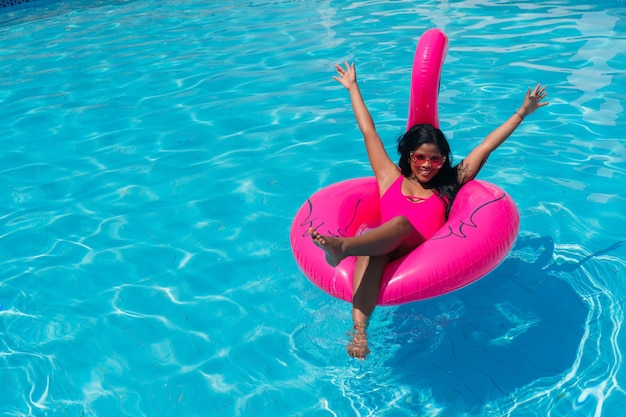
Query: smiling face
(426, 161)
(418, 147)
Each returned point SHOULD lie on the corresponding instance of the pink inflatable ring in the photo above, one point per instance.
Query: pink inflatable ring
(480, 230)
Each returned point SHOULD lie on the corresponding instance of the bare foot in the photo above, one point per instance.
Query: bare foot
(358, 346)
(331, 245)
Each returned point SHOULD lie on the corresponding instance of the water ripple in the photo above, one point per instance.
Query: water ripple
(153, 158)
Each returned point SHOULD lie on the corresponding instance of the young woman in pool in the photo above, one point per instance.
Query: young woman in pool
(416, 197)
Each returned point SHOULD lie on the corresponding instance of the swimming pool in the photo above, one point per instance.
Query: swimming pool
(153, 157)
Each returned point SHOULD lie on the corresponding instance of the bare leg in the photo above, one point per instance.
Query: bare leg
(396, 234)
(368, 274)
(375, 249)
(366, 283)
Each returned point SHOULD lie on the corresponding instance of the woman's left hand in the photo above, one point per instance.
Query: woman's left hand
(533, 98)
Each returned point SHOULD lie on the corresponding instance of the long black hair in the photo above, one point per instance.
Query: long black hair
(445, 183)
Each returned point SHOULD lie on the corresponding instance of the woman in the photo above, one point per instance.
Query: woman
(415, 197)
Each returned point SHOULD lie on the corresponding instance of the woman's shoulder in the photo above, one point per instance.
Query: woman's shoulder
(463, 173)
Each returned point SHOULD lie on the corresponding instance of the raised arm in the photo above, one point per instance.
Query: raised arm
(469, 168)
(380, 162)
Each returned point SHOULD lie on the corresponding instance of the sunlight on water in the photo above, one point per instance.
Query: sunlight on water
(154, 156)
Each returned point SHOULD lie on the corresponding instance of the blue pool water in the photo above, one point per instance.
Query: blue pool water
(154, 154)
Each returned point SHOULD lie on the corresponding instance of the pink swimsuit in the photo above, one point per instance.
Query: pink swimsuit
(426, 215)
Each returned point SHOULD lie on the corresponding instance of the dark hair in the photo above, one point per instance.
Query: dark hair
(445, 183)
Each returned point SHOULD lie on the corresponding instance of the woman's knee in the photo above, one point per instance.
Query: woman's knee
(402, 223)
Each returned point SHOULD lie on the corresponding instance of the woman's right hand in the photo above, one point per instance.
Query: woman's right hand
(347, 76)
